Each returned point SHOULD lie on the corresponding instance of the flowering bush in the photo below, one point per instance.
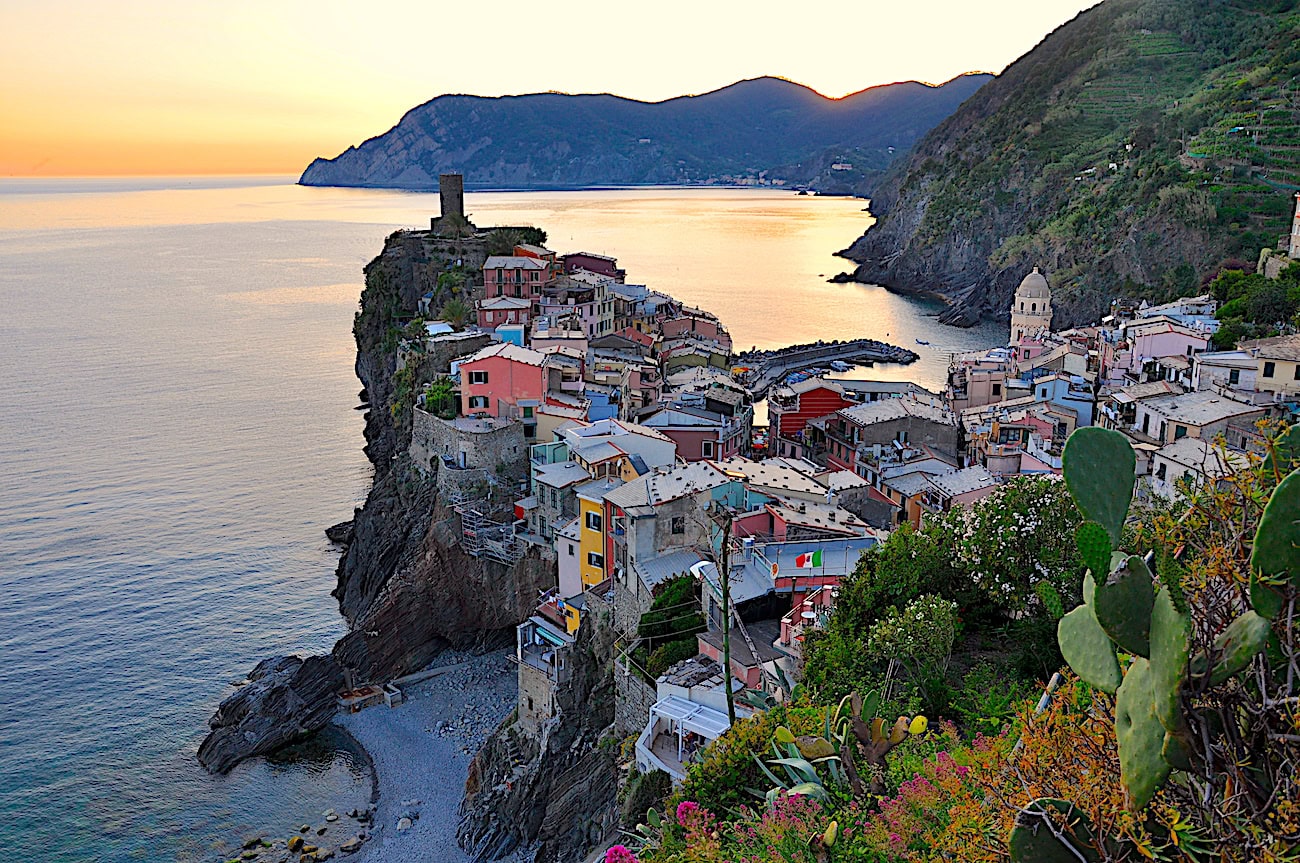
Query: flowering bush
(619, 854)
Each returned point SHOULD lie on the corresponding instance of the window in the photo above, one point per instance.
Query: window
(1269, 368)
(478, 402)
(596, 559)
(1160, 471)
(1033, 308)
(1146, 424)
(1180, 432)
(528, 412)
(706, 449)
(593, 521)
(478, 377)
(1234, 376)
(1296, 374)
(997, 389)
(678, 524)
(1042, 394)
(570, 549)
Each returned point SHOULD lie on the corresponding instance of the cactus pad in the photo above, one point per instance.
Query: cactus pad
(1100, 469)
(1088, 649)
(1170, 631)
(1094, 546)
(1277, 540)
(1033, 839)
(1237, 645)
(1285, 455)
(1141, 736)
(1123, 604)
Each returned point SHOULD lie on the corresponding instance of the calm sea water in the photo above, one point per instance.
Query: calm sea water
(177, 429)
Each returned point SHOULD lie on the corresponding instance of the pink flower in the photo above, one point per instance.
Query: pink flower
(619, 854)
(686, 810)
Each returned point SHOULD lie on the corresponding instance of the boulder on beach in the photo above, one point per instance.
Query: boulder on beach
(286, 698)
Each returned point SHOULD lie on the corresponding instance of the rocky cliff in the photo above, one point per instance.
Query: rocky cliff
(404, 585)
(555, 795)
(1134, 150)
(553, 140)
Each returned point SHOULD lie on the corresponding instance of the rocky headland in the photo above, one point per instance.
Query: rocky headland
(409, 592)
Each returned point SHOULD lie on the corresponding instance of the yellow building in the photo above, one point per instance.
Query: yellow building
(591, 529)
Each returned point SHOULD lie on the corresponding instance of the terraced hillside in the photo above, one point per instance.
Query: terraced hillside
(1134, 150)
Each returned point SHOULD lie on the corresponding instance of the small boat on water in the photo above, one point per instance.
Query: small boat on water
(922, 342)
(840, 365)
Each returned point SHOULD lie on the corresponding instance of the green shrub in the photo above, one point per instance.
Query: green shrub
(644, 791)
(667, 655)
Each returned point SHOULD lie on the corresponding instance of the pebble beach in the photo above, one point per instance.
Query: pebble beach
(421, 752)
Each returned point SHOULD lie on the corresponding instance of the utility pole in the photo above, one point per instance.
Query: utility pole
(724, 575)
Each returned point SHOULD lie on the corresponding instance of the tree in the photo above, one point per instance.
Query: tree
(502, 241)
(457, 313)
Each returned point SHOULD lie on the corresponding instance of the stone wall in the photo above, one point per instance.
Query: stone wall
(633, 700)
(536, 699)
(495, 447)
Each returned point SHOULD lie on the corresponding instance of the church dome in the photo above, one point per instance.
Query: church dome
(1034, 286)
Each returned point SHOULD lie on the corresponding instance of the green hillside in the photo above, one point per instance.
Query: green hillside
(1134, 150)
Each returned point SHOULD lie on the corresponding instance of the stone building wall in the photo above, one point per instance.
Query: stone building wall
(536, 699)
(633, 700)
(498, 448)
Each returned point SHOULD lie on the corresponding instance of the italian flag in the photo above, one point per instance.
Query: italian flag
(808, 561)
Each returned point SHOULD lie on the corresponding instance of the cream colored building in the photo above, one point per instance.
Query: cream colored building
(1277, 364)
(1031, 310)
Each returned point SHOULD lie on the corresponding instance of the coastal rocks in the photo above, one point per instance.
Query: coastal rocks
(556, 794)
(340, 533)
(351, 846)
(439, 596)
(286, 698)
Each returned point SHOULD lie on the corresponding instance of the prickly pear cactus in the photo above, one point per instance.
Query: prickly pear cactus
(1170, 643)
(1100, 469)
(1140, 735)
(1276, 552)
(1049, 830)
(1237, 645)
(1123, 606)
(1088, 649)
(1094, 546)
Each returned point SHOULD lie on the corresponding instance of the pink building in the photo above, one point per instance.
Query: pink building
(700, 434)
(500, 310)
(518, 276)
(503, 380)
(1147, 340)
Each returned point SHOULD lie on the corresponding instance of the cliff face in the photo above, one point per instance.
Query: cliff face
(1134, 150)
(556, 795)
(404, 584)
(552, 140)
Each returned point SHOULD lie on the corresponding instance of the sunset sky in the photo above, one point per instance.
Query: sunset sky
(148, 87)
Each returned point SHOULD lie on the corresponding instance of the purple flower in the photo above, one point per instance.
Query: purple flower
(686, 810)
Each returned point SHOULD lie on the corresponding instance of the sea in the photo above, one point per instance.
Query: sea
(178, 425)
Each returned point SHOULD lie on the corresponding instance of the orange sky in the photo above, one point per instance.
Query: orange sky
(147, 87)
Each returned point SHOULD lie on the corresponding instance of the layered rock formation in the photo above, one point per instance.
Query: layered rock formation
(285, 699)
(404, 585)
(557, 794)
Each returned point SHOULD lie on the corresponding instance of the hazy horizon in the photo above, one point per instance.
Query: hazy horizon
(146, 88)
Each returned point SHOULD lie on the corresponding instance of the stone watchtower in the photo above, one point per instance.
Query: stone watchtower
(451, 190)
(1031, 310)
(451, 194)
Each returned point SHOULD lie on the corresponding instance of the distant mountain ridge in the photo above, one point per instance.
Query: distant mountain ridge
(1136, 149)
(552, 140)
